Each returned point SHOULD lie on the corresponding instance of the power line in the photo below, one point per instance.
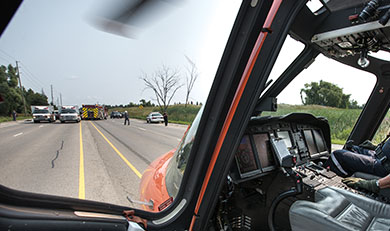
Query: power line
(26, 77)
(5, 59)
(30, 72)
(8, 55)
(20, 86)
(32, 79)
(30, 76)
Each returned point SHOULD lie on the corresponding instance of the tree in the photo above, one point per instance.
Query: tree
(10, 91)
(145, 103)
(12, 94)
(326, 94)
(164, 82)
(191, 76)
(35, 98)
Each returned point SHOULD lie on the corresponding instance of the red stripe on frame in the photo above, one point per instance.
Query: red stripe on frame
(237, 97)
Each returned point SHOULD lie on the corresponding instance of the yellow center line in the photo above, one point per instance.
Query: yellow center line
(119, 153)
(81, 171)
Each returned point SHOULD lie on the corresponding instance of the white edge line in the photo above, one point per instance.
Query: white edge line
(143, 129)
(18, 134)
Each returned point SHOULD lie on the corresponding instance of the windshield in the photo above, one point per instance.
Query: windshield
(68, 111)
(115, 160)
(178, 163)
(41, 111)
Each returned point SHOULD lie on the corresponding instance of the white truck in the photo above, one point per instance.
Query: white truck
(69, 113)
(43, 113)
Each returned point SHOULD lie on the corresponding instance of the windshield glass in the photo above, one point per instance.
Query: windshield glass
(178, 163)
(68, 111)
(98, 86)
(41, 111)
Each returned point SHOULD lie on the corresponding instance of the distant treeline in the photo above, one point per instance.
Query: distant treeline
(11, 94)
(145, 103)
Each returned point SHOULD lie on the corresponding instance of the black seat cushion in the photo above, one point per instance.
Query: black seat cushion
(338, 209)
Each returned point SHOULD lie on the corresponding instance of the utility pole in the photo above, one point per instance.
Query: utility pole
(21, 89)
(61, 99)
(52, 101)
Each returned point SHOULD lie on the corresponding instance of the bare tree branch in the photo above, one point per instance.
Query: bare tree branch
(191, 76)
(164, 82)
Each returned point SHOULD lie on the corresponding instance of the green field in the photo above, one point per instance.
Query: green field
(6, 119)
(176, 113)
(341, 121)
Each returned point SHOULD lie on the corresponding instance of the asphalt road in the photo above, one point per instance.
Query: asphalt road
(93, 160)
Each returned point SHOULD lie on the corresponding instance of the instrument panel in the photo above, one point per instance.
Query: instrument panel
(306, 137)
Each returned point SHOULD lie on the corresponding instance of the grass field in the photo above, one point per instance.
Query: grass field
(6, 119)
(176, 113)
(341, 121)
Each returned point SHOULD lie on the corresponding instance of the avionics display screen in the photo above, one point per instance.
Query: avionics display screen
(310, 142)
(320, 142)
(286, 137)
(263, 150)
(245, 156)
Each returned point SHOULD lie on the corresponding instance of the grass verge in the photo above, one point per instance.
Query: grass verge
(6, 118)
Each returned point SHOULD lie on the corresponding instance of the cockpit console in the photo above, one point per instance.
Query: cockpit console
(273, 142)
(279, 160)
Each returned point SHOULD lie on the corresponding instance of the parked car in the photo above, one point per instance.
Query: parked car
(154, 117)
(116, 114)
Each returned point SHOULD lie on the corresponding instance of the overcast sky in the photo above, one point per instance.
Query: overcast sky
(56, 44)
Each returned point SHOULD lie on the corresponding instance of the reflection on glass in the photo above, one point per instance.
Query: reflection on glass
(178, 162)
(310, 142)
(286, 137)
(263, 150)
(245, 157)
(320, 142)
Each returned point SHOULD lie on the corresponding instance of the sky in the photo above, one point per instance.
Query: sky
(57, 44)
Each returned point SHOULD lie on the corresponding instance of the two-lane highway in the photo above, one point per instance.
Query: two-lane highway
(94, 160)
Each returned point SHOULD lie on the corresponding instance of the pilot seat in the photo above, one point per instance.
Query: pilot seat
(339, 209)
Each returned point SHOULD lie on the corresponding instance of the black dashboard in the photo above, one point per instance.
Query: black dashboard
(279, 160)
(307, 138)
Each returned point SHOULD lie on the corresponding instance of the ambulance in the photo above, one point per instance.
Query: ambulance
(69, 113)
(43, 113)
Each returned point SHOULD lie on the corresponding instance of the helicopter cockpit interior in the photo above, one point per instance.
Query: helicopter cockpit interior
(278, 170)
(247, 170)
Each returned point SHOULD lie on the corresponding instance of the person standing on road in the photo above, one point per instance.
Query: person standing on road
(14, 115)
(165, 118)
(127, 118)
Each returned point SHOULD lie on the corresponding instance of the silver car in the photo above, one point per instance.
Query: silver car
(154, 117)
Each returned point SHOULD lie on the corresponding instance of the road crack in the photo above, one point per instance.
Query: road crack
(57, 154)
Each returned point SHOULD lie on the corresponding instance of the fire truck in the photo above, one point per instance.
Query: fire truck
(94, 112)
